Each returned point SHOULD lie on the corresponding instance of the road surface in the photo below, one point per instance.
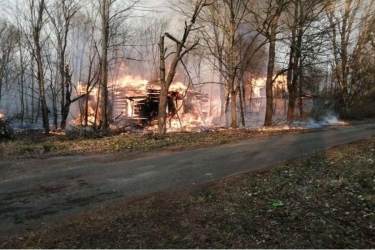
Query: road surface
(39, 192)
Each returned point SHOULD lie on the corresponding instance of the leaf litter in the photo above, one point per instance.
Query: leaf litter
(328, 201)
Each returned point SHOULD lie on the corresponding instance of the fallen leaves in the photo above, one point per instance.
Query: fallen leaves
(325, 200)
(35, 145)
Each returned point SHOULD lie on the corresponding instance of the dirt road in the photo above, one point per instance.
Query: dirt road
(38, 192)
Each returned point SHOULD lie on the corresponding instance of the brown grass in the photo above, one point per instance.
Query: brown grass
(328, 202)
(34, 144)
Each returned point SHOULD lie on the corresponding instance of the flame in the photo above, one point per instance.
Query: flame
(129, 81)
(81, 89)
(178, 87)
(1, 115)
(259, 83)
(174, 87)
(128, 91)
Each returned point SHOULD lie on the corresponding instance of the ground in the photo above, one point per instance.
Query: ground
(33, 144)
(322, 201)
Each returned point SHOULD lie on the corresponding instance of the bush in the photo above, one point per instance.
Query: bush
(363, 107)
(359, 111)
(6, 130)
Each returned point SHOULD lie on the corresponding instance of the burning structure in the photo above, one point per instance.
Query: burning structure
(135, 101)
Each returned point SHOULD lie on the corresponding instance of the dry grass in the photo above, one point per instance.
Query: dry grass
(34, 144)
(328, 202)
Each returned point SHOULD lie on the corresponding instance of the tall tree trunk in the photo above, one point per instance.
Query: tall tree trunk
(1, 84)
(270, 71)
(65, 113)
(223, 100)
(163, 98)
(163, 90)
(39, 60)
(300, 102)
(242, 111)
(86, 109)
(104, 66)
(291, 69)
(233, 108)
(62, 82)
(293, 87)
(32, 94)
(22, 90)
(291, 106)
(67, 97)
(181, 50)
(42, 95)
(55, 115)
(97, 114)
(162, 112)
(345, 32)
(226, 107)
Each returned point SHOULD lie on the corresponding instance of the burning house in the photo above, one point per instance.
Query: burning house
(134, 101)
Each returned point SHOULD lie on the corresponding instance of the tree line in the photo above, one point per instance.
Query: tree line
(54, 53)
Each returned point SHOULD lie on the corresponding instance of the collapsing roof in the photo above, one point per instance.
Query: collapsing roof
(185, 108)
(136, 101)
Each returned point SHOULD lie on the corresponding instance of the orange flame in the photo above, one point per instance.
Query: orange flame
(128, 89)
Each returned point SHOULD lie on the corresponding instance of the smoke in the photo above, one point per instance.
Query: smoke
(329, 119)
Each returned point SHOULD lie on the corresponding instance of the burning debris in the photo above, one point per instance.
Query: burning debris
(135, 103)
(185, 108)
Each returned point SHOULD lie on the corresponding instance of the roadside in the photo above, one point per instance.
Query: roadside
(31, 144)
(34, 145)
(45, 184)
(322, 201)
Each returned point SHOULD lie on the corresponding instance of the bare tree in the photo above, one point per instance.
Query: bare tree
(104, 13)
(266, 17)
(111, 19)
(29, 101)
(350, 33)
(150, 30)
(301, 16)
(84, 67)
(181, 49)
(233, 44)
(9, 36)
(37, 21)
(21, 80)
(61, 16)
(215, 44)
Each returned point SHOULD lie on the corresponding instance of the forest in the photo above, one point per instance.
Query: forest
(104, 64)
